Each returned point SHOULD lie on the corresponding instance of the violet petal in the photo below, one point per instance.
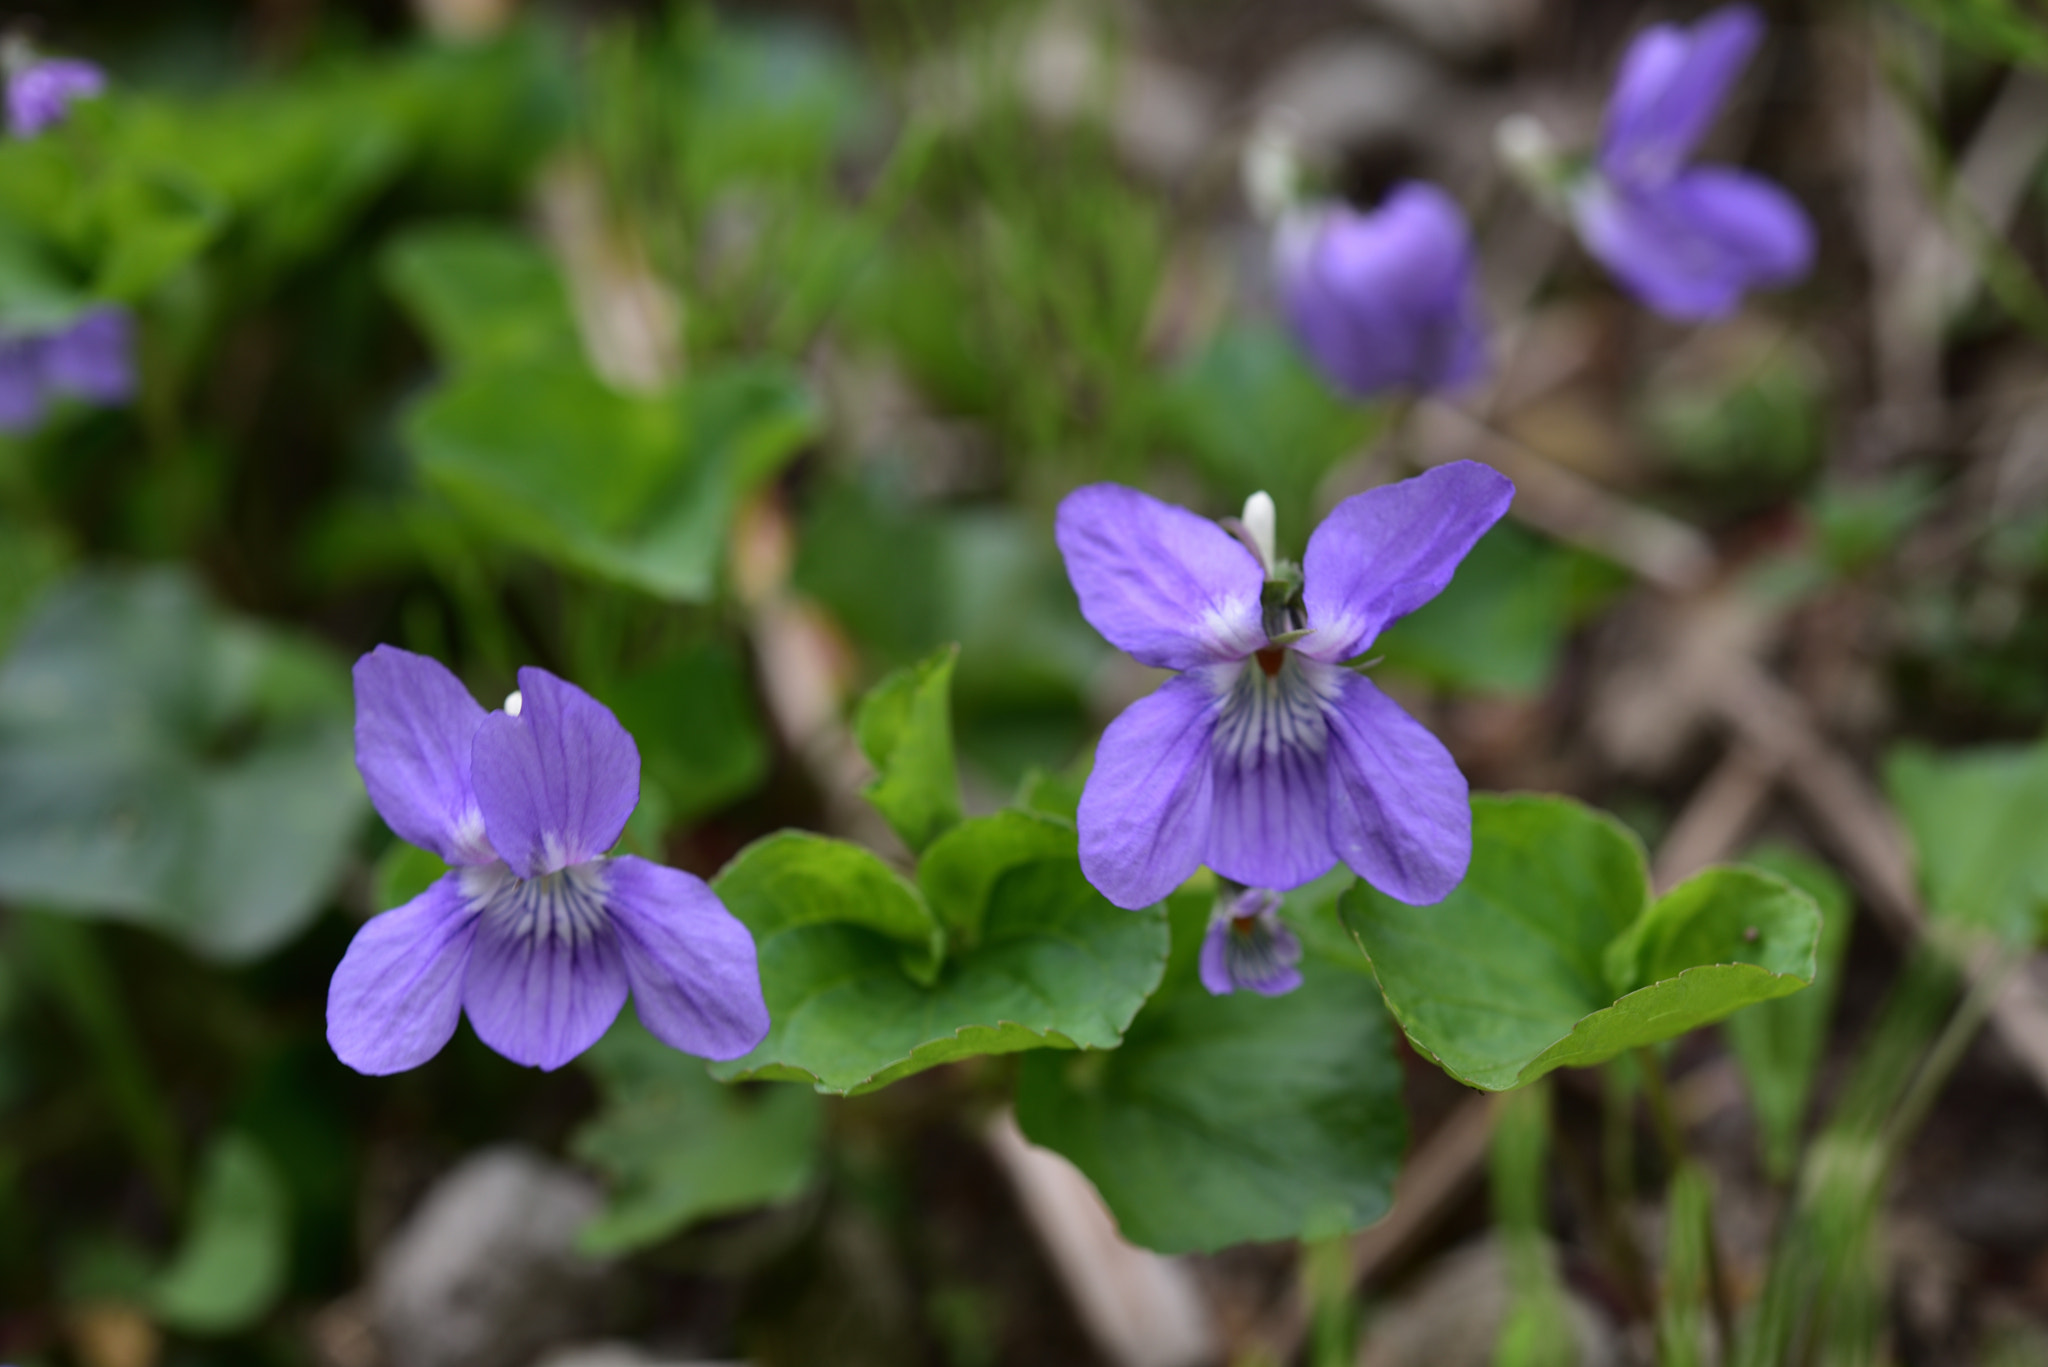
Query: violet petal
(557, 782)
(1384, 553)
(1269, 827)
(1387, 299)
(695, 974)
(1691, 250)
(1671, 85)
(397, 995)
(414, 726)
(1145, 812)
(1172, 589)
(546, 977)
(1400, 812)
(94, 358)
(22, 399)
(42, 93)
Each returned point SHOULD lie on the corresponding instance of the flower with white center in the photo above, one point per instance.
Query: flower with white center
(1265, 757)
(534, 931)
(1248, 946)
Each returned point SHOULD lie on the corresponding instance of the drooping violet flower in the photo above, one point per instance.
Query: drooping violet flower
(534, 932)
(1689, 241)
(1264, 757)
(1248, 946)
(21, 383)
(41, 92)
(1384, 300)
(94, 358)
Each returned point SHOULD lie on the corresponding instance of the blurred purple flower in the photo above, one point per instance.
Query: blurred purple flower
(1248, 946)
(1264, 757)
(94, 358)
(41, 93)
(21, 383)
(1384, 300)
(534, 932)
(1689, 241)
(91, 358)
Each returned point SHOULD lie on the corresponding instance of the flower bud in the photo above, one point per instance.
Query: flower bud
(1384, 300)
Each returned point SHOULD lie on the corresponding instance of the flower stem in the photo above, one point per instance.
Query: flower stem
(1664, 1117)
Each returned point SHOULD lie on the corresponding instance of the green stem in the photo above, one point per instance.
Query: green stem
(1664, 1116)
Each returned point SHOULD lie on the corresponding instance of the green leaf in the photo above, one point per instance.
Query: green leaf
(1224, 1119)
(484, 295)
(1550, 955)
(694, 718)
(962, 867)
(1779, 1044)
(633, 488)
(792, 880)
(1503, 621)
(679, 1147)
(163, 763)
(1057, 966)
(403, 873)
(231, 1267)
(1975, 819)
(905, 727)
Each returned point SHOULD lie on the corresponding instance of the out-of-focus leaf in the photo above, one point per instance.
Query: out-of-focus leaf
(403, 873)
(1741, 410)
(637, 489)
(484, 295)
(232, 1264)
(1056, 966)
(1976, 818)
(2003, 30)
(904, 582)
(1500, 625)
(1550, 953)
(700, 734)
(679, 1147)
(1779, 1043)
(905, 728)
(753, 101)
(163, 763)
(1254, 416)
(1224, 1119)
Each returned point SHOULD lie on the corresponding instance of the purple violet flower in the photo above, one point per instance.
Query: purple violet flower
(94, 358)
(42, 92)
(1384, 300)
(1263, 757)
(21, 383)
(1688, 241)
(534, 932)
(1249, 946)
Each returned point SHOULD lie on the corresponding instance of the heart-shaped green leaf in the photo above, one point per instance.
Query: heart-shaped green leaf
(163, 763)
(793, 879)
(1223, 1119)
(679, 1147)
(1975, 817)
(1550, 954)
(905, 727)
(960, 870)
(1057, 965)
(483, 294)
(231, 1266)
(640, 489)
